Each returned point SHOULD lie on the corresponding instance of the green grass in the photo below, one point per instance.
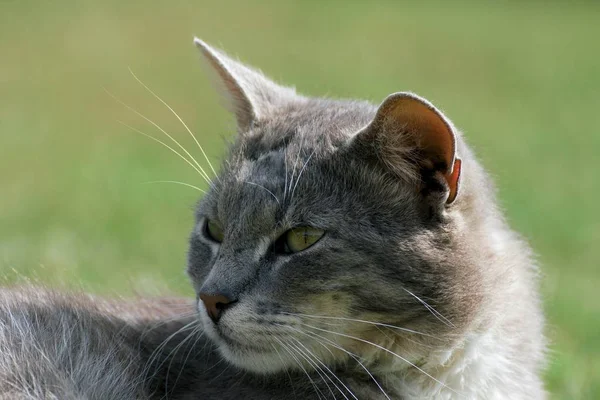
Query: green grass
(521, 80)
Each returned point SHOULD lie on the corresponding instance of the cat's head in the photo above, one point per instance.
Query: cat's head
(331, 230)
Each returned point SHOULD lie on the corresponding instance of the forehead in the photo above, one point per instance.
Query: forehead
(319, 124)
(269, 167)
(257, 193)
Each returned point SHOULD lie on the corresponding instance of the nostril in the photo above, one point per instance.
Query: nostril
(215, 304)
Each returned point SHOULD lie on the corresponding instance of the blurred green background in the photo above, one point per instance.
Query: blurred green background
(522, 81)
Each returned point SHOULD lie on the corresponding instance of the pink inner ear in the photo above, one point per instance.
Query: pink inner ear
(453, 180)
(407, 123)
(432, 133)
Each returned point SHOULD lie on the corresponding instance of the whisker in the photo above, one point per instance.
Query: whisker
(301, 171)
(221, 373)
(203, 174)
(286, 370)
(384, 349)
(157, 351)
(261, 186)
(334, 375)
(435, 312)
(314, 366)
(179, 118)
(192, 347)
(327, 368)
(316, 336)
(286, 348)
(174, 354)
(362, 321)
(221, 360)
(286, 173)
(164, 144)
(185, 327)
(241, 378)
(296, 162)
(385, 333)
(177, 182)
(165, 321)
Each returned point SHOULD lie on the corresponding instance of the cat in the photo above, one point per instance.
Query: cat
(344, 250)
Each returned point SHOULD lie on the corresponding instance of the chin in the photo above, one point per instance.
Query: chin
(257, 361)
(246, 355)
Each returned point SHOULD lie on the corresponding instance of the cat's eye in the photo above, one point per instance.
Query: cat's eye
(214, 231)
(301, 238)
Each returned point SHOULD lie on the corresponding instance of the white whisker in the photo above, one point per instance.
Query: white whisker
(286, 348)
(286, 173)
(221, 373)
(176, 182)
(362, 321)
(179, 118)
(173, 353)
(203, 173)
(164, 144)
(327, 368)
(301, 171)
(221, 360)
(157, 351)
(192, 347)
(261, 186)
(384, 349)
(296, 162)
(314, 366)
(435, 312)
(177, 317)
(316, 336)
(286, 370)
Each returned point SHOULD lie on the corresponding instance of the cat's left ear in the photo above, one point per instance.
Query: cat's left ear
(415, 140)
(251, 96)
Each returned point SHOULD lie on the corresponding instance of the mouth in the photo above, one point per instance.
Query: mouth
(231, 339)
(242, 339)
(247, 346)
(259, 357)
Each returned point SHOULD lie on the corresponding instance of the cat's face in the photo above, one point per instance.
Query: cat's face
(324, 235)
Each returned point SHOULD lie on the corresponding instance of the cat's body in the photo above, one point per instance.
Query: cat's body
(406, 283)
(73, 346)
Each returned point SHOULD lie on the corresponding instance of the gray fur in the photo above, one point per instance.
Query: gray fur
(448, 288)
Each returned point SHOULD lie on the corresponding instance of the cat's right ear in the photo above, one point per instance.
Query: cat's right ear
(251, 96)
(415, 141)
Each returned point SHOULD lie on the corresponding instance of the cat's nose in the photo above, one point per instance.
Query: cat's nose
(215, 304)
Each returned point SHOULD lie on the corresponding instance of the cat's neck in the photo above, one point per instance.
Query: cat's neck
(476, 368)
(502, 341)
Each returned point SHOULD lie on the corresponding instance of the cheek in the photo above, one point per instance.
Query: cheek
(329, 304)
(200, 259)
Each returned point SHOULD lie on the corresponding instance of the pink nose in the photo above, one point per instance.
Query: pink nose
(215, 304)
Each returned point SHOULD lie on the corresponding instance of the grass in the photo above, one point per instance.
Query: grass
(520, 79)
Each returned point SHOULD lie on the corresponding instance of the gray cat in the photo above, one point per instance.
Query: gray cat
(344, 250)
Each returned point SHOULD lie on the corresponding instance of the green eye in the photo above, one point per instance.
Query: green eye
(214, 231)
(302, 238)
